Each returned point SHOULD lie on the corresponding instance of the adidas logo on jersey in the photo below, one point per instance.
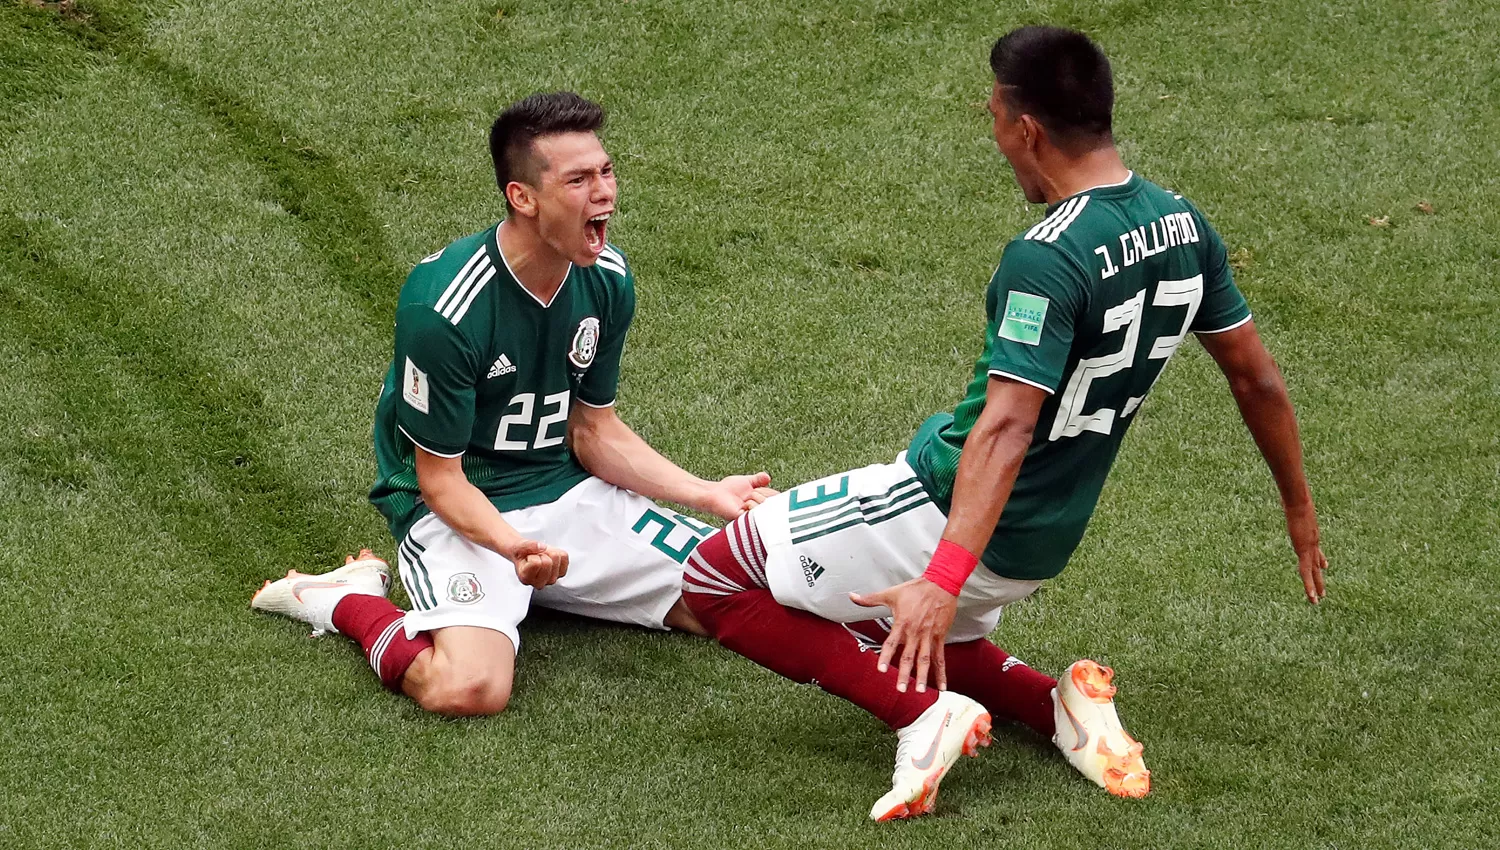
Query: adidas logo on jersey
(502, 366)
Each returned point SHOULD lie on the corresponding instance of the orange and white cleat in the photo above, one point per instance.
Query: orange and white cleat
(954, 725)
(312, 598)
(1089, 732)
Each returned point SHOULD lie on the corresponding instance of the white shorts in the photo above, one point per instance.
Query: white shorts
(864, 531)
(625, 559)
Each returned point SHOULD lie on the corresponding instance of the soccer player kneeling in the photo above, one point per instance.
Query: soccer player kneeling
(504, 473)
(1084, 311)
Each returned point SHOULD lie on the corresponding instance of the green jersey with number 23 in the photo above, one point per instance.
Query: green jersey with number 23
(486, 371)
(1089, 305)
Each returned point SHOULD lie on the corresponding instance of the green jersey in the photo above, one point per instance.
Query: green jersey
(1088, 305)
(486, 371)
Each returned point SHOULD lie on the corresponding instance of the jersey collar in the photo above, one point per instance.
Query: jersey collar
(1124, 186)
(494, 246)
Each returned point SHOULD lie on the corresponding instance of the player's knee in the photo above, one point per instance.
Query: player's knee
(469, 696)
(684, 615)
(482, 699)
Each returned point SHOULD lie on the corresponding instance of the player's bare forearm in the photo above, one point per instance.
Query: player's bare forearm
(609, 449)
(462, 506)
(1267, 411)
(922, 610)
(1260, 393)
(466, 510)
(990, 461)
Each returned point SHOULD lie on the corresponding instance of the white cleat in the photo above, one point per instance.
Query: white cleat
(1089, 732)
(955, 725)
(312, 598)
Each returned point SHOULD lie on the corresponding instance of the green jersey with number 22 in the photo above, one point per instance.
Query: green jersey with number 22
(1089, 305)
(486, 371)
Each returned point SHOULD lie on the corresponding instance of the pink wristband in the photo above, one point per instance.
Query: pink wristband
(950, 566)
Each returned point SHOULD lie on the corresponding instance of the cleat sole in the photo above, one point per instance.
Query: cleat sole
(979, 736)
(900, 812)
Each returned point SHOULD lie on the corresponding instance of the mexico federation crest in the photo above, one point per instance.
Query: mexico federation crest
(585, 343)
(464, 589)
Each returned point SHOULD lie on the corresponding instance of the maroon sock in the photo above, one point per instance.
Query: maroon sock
(379, 627)
(745, 618)
(1004, 685)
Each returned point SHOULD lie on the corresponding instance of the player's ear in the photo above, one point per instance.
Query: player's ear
(1031, 132)
(522, 198)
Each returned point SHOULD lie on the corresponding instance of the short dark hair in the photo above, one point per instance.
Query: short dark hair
(513, 135)
(1060, 78)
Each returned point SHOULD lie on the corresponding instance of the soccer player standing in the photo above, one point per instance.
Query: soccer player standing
(1085, 310)
(504, 472)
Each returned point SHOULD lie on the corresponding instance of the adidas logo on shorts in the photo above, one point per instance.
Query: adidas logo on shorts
(811, 570)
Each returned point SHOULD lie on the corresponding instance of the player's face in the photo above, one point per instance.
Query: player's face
(1013, 135)
(576, 196)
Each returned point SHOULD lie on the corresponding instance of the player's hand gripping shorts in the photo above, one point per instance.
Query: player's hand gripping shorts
(625, 558)
(864, 531)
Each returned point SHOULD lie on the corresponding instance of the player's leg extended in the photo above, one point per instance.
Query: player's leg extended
(726, 586)
(1009, 689)
(732, 602)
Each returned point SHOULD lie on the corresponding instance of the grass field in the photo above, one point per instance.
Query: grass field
(207, 207)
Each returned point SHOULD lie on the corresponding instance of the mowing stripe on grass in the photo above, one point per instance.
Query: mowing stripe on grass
(215, 425)
(338, 225)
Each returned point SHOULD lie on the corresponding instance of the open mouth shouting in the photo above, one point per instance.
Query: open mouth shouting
(593, 232)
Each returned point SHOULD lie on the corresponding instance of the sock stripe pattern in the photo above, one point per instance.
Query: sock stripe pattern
(699, 577)
(379, 627)
(722, 579)
(751, 557)
(753, 547)
(383, 642)
(796, 644)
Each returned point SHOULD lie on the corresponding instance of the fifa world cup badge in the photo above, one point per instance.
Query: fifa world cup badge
(585, 343)
(464, 589)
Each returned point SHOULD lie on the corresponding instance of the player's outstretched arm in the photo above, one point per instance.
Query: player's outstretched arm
(610, 450)
(922, 609)
(461, 505)
(1266, 408)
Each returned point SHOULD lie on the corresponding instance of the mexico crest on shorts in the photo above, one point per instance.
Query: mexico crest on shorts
(464, 589)
(585, 343)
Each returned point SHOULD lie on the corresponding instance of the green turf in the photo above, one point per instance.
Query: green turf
(207, 206)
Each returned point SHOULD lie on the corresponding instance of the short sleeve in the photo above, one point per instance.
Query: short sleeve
(1223, 307)
(1035, 299)
(602, 380)
(438, 372)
